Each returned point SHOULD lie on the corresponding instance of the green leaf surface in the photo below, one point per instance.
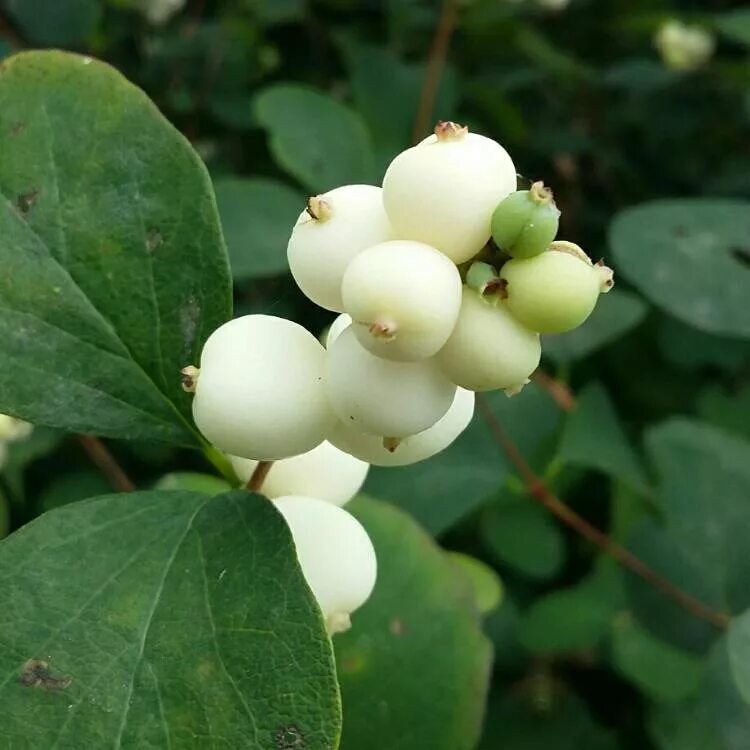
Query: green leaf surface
(484, 582)
(738, 648)
(660, 670)
(593, 437)
(116, 270)
(193, 481)
(316, 139)
(257, 215)
(4, 516)
(689, 257)
(70, 487)
(50, 23)
(414, 667)
(615, 314)
(682, 727)
(525, 537)
(446, 488)
(734, 25)
(165, 619)
(726, 409)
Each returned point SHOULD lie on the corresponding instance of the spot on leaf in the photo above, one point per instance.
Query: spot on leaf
(36, 673)
(289, 738)
(25, 202)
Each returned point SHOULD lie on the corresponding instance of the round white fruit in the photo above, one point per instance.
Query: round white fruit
(412, 449)
(382, 397)
(260, 393)
(444, 191)
(324, 472)
(488, 349)
(336, 556)
(404, 298)
(555, 291)
(349, 219)
(336, 328)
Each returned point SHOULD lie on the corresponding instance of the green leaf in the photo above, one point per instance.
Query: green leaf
(615, 314)
(682, 727)
(734, 25)
(4, 516)
(315, 138)
(729, 411)
(192, 481)
(414, 667)
(166, 619)
(51, 23)
(524, 536)
(689, 257)
(484, 582)
(116, 271)
(63, 489)
(660, 670)
(594, 438)
(446, 488)
(257, 216)
(738, 648)
(574, 618)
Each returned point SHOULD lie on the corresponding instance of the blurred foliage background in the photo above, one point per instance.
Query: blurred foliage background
(641, 422)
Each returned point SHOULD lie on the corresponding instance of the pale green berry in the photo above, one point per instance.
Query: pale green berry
(403, 297)
(443, 191)
(380, 396)
(525, 222)
(381, 451)
(488, 349)
(335, 554)
(328, 235)
(555, 291)
(259, 392)
(324, 472)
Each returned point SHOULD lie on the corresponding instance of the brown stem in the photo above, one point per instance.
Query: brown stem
(559, 391)
(259, 476)
(106, 463)
(441, 41)
(568, 516)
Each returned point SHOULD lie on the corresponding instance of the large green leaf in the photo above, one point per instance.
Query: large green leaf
(415, 665)
(615, 314)
(315, 138)
(51, 22)
(593, 437)
(257, 215)
(690, 258)
(162, 619)
(444, 489)
(115, 268)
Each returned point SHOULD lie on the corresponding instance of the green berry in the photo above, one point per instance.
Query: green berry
(525, 223)
(555, 291)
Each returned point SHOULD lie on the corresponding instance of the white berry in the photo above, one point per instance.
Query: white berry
(404, 298)
(336, 329)
(382, 397)
(488, 349)
(444, 191)
(324, 472)
(336, 556)
(412, 449)
(556, 290)
(259, 392)
(329, 233)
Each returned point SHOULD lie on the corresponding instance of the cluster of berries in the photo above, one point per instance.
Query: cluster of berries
(430, 311)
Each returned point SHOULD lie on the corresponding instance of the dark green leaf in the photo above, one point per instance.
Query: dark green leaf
(50, 23)
(63, 489)
(735, 25)
(115, 269)
(525, 537)
(594, 438)
(444, 489)
(165, 619)
(738, 648)
(615, 314)
(318, 140)
(415, 665)
(660, 670)
(4, 516)
(689, 258)
(728, 410)
(257, 216)
(682, 727)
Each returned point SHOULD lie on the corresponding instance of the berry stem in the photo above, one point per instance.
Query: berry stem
(540, 194)
(557, 390)
(106, 463)
(542, 494)
(255, 482)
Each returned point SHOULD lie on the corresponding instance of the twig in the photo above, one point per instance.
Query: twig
(441, 41)
(255, 482)
(106, 463)
(559, 391)
(568, 516)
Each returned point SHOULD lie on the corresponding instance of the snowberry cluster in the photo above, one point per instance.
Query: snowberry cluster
(430, 310)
